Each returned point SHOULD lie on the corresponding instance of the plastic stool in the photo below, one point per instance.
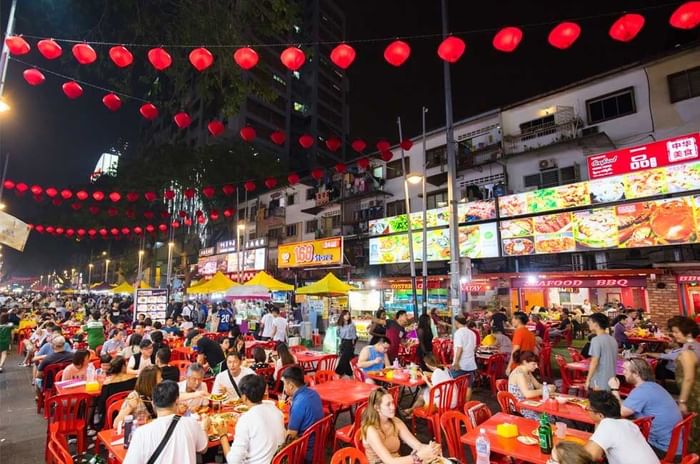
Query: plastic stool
(316, 339)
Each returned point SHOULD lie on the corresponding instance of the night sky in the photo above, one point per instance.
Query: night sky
(54, 141)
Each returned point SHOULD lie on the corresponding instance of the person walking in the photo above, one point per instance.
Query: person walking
(603, 353)
(347, 334)
(5, 338)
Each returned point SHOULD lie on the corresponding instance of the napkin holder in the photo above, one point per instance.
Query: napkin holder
(507, 430)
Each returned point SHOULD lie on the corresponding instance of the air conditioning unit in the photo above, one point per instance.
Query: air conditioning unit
(547, 164)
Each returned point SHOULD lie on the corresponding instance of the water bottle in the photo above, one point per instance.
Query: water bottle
(396, 363)
(91, 373)
(128, 429)
(545, 392)
(483, 448)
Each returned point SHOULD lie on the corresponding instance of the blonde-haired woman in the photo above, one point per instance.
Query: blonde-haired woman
(383, 432)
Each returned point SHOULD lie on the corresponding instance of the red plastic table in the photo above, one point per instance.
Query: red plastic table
(553, 408)
(511, 446)
(583, 366)
(308, 360)
(344, 392)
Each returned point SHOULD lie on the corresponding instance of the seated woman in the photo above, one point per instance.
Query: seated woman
(522, 384)
(259, 359)
(382, 434)
(117, 381)
(139, 402)
(284, 357)
(439, 376)
(78, 368)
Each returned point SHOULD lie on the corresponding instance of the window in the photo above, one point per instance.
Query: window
(310, 194)
(336, 221)
(274, 234)
(311, 226)
(552, 177)
(395, 168)
(292, 230)
(436, 157)
(611, 106)
(684, 85)
(436, 200)
(291, 199)
(535, 125)
(394, 208)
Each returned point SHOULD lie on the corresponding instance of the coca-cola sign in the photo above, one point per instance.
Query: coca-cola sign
(573, 282)
(651, 155)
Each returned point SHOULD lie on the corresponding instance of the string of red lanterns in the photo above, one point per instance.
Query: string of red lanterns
(103, 232)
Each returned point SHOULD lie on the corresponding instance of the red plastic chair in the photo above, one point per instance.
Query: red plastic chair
(690, 459)
(357, 373)
(461, 390)
(567, 383)
(575, 354)
(545, 364)
(293, 453)
(455, 424)
(477, 412)
(68, 415)
(501, 385)
(309, 381)
(57, 453)
(323, 376)
(395, 393)
(328, 363)
(59, 376)
(23, 335)
(644, 424)
(182, 366)
(320, 430)
(681, 431)
(112, 413)
(296, 348)
(432, 411)
(268, 373)
(495, 369)
(568, 336)
(349, 456)
(508, 403)
(47, 381)
(346, 433)
(357, 440)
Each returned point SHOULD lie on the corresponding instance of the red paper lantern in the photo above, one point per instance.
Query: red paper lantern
(39, 228)
(81, 195)
(125, 231)
(112, 102)
(36, 190)
(49, 49)
(81, 232)
(130, 213)
(564, 35)
(17, 45)
(363, 163)
(293, 179)
(76, 206)
(201, 58)
(115, 197)
(317, 173)
(249, 186)
(214, 215)
(229, 212)
(201, 220)
(406, 144)
(626, 28)
(84, 53)
(162, 227)
(112, 211)
(293, 58)
(175, 224)
(188, 222)
(383, 145)
(103, 232)
(114, 231)
(51, 192)
(247, 133)
(333, 144)
(159, 58)
(92, 232)
(451, 49)
(66, 194)
(359, 145)
(246, 58)
(340, 168)
(270, 182)
(169, 194)
(60, 230)
(306, 141)
(9, 185)
(686, 16)
(72, 90)
(343, 55)
(150, 229)
(150, 196)
(98, 195)
(50, 229)
(33, 77)
(138, 230)
(397, 52)
(94, 210)
(121, 56)
(70, 233)
(190, 192)
(131, 197)
(149, 111)
(182, 120)
(216, 128)
(228, 190)
(507, 39)
(386, 156)
(199, 213)
(209, 191)
(165, 214)
(22, 187)
(278, 137)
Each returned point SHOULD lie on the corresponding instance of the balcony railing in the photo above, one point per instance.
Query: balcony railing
(542, 137)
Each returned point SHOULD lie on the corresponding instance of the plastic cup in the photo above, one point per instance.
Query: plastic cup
(561, 429)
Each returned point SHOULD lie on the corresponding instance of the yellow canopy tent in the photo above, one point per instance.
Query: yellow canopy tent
(330, 285)
(263, 279)
(217, 284)
(124, 287)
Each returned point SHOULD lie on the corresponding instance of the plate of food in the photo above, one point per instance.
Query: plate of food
(607, 190)
(555, 244)
(219, 397)
(525, 440)
(645, 183)
(516, 228)
(552, 223)
(518, 246)
(672, 221)
(241, 408)
(596, 228)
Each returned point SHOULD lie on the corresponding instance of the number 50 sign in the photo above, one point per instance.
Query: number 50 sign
(323, 252)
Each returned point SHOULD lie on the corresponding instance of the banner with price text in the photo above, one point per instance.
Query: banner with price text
(322, 252)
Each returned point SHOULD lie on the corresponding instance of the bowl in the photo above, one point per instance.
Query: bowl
(561, 399)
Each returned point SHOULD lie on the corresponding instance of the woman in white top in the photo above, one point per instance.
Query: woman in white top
(439, 376)
(224, 381)
(284, 358)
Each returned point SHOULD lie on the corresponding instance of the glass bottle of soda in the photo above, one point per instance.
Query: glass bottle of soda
(544, 433)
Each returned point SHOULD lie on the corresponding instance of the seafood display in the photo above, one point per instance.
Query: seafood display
(596, 228)
(645, 183)
(518, 246)
(607, 190)
(552, 223)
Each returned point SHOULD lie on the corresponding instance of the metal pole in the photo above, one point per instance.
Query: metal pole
(425, 220)
(5, 51)
(238, 240)
(411, 257)
(452, 200)
(4, 175)
(171, 245)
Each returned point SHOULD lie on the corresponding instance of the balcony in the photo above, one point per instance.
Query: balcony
(561, 125)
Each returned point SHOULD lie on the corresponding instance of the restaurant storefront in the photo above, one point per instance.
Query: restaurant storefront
(689, 292)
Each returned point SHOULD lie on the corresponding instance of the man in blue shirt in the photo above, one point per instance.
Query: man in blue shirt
(225, 318)
(306, 408)
(648, 398)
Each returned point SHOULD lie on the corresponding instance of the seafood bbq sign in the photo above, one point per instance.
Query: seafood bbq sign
(602, 282)
(677, 150)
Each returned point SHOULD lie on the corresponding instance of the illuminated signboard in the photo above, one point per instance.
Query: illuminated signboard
(322, 252)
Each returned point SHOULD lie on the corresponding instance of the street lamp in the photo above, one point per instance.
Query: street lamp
(138, 275)
(4, 106)
(415, 178)
(171, 245)
(239, 229)
(106, 270)
(90, 266)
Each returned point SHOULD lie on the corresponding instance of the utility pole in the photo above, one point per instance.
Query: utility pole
(411, 255)
(4, 57)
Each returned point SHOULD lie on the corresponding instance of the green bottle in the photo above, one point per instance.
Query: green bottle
(544, 432)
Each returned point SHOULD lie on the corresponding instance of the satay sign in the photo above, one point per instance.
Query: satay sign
(579, 283)
(652, 155)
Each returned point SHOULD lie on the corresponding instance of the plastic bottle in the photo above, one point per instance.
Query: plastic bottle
(483, 448)
(396, 363)
(128, 429)
(545, 392)
(90, 373)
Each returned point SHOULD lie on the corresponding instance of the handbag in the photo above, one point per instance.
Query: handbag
(164, 441)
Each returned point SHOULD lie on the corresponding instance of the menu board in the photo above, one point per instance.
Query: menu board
(475, 241)
(153, 302)
(630, 225)
(632, 186)
(473, 211)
